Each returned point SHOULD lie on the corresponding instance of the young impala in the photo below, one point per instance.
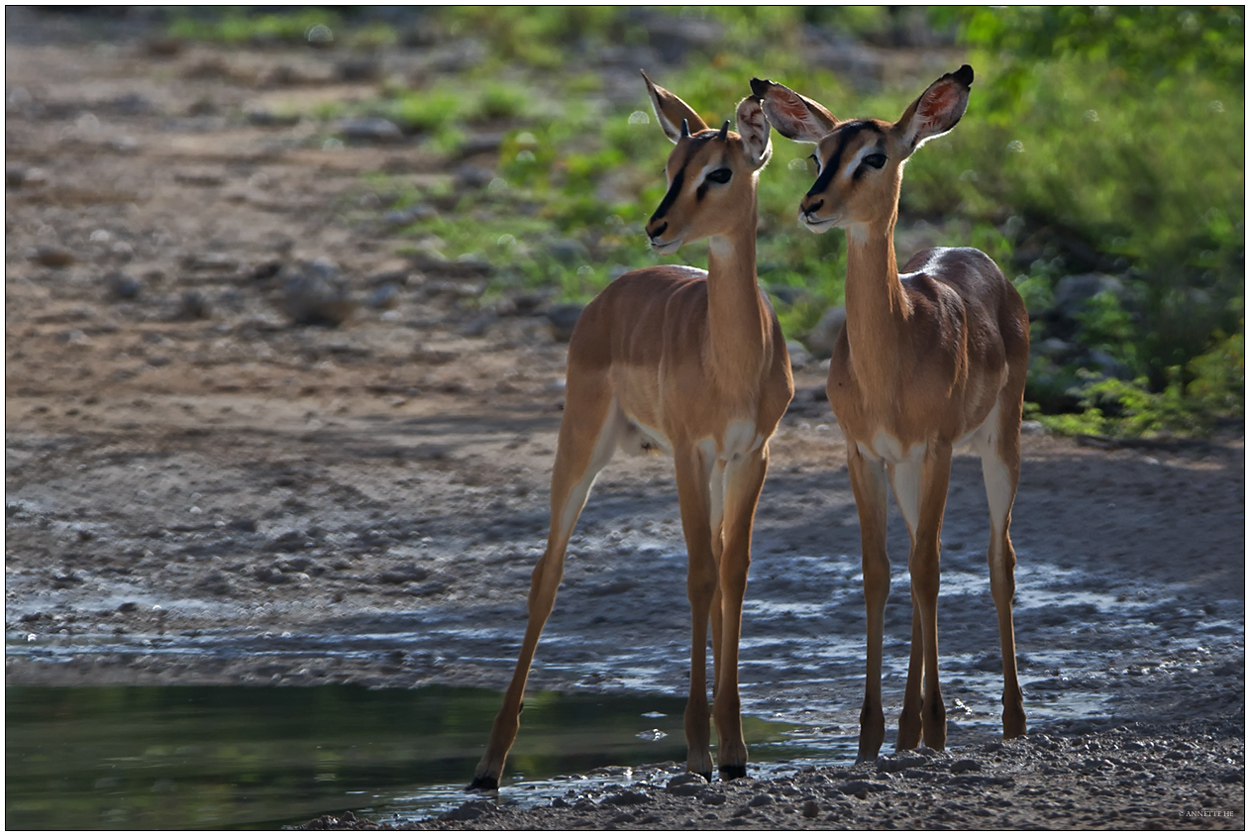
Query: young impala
(927, 360)
(693, 363)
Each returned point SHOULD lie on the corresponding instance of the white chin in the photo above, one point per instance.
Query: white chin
(820, 226)
(666, 248)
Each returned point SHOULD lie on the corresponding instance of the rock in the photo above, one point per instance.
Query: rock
(562, 319)
(122, 288)
(264, 118)
(473, 177)
(370, 129)
(384, 297)
(569, 251)
(52, 256)
(861, 789)
(626, 797)
(315, 294)
(965, 765)
(194, 306)
(1074, 292)
(810, 809)
(215, 262)
(713, 798)
(359, 68)
(799, 355)
(469, 811)
(824, 334)
(403, 574)
(687, 784)
(761, 800)
(410, 214)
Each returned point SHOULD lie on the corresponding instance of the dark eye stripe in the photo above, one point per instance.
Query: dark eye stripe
(845, 134)
(674, 190)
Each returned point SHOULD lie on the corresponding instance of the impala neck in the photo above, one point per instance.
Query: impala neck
(738, 322)
(877, 310)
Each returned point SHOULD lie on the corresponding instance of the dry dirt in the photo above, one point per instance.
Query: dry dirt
(199, 491)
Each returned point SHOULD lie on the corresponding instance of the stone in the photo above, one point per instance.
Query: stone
(51, 256)
(370, 129)
(316, 294)
(562, 319)
(122, 288)
(824, 334)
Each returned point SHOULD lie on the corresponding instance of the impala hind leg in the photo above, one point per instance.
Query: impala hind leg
(589, 434)
(743, 481)
(1000, 467)
(697, 520)
(868, 483)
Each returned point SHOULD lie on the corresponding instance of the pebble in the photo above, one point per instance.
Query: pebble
(122, 287)
(370, 129)
(316, 294)
(54, 257)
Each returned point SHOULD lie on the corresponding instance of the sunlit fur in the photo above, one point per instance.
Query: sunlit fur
(695, 364)
(928, 359)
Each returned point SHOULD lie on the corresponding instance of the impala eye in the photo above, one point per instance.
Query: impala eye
(720, 175)
(875, 160)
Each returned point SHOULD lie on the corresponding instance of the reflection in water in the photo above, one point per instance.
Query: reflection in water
(178, 757)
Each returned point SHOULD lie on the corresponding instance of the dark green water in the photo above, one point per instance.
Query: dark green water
(234, 757)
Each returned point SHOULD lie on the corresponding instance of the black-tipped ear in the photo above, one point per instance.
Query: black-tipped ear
(938, 109)
(795, 117)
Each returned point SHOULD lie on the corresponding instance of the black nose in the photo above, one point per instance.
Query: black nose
(659, 230)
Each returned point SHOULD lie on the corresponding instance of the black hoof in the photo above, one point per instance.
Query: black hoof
(483, 782)
(707, 776)
(728, 773)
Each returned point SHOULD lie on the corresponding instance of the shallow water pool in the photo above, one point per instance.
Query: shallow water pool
(238, 757)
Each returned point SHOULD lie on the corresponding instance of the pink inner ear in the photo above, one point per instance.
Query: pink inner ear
(791, 105)
(938, 102)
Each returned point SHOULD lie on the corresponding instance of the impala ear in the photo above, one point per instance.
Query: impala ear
(754, 130)
(672, 112)
(795, 117)
(937, 110)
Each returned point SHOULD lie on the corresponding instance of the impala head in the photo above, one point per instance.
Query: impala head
(711, 173)
(860, 162)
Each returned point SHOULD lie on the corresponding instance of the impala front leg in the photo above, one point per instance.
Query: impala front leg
(744, 478)
(869, 486)
(701, 581)
(920, 488)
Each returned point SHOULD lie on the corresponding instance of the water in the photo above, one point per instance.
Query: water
(237, 757)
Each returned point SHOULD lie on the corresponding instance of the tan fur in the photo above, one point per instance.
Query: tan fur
(694, 363)
(927, 359)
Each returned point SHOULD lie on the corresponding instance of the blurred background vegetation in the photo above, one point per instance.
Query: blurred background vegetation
(1101, 163)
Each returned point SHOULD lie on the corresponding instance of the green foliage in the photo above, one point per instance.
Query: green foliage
(238, 25)
(1097, 139)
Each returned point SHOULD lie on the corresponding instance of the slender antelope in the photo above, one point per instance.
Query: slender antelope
(929, 359)
(694, 363)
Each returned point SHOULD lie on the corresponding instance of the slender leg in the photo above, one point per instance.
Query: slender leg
(701, 582)
(589, 435)
(744, 479)
(905, 478)
(923, 565)
(1000, 466)
(869, 486)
